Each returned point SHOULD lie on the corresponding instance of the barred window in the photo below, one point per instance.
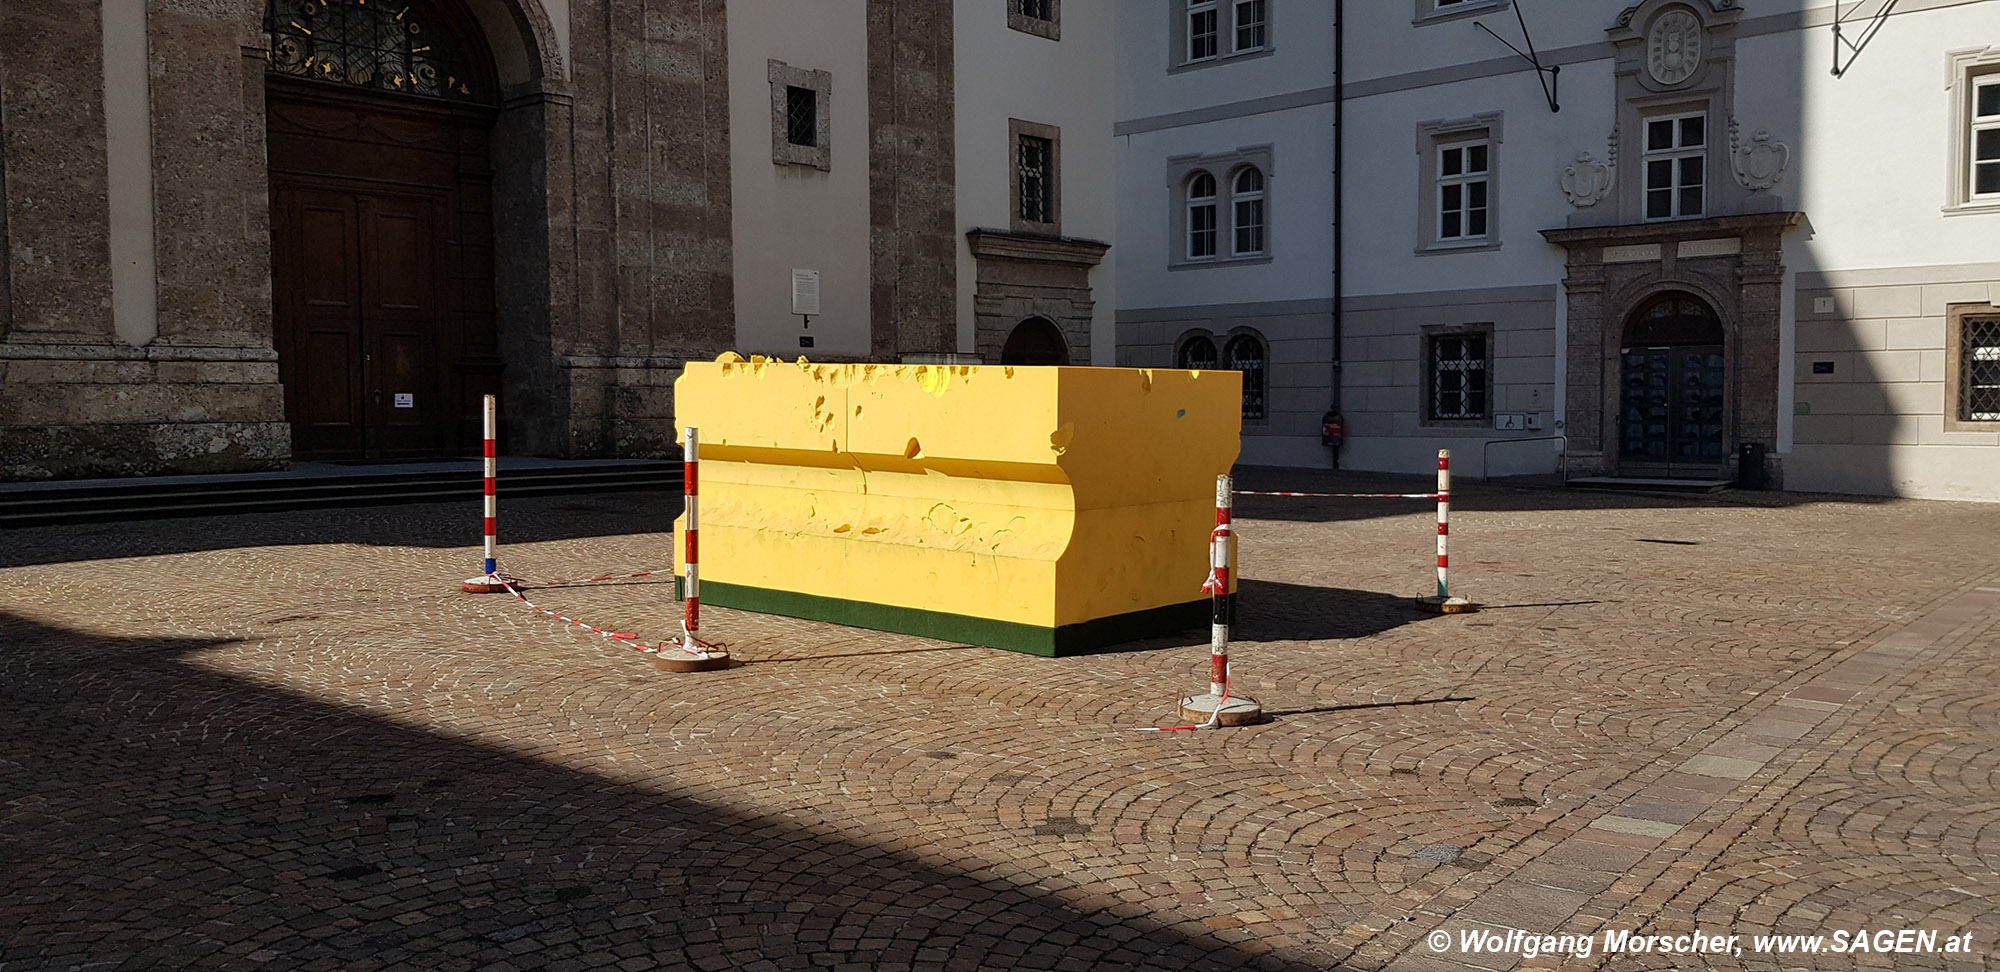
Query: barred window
(1035, 158)
(1457, 364)
(1979, 370)
(1036, 9)
(1245, 353)
(1196, 354)
(801, 116)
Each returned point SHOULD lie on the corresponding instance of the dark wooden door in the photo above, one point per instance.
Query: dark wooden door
(381, 271)
(357, 297)
(1672, 411)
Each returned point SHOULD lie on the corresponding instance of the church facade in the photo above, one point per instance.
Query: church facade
(240, 234)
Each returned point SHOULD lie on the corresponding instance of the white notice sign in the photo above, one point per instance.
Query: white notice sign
(406, 400)
(805, 292)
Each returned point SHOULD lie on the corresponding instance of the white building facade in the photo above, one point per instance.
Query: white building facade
(1720, 259)
(1225, 156)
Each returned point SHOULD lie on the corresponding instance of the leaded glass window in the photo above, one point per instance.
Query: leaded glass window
(398, 45)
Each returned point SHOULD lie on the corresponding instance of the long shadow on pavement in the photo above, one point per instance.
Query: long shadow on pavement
(160, 814)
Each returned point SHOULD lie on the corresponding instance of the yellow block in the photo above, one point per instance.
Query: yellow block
(1043, 509)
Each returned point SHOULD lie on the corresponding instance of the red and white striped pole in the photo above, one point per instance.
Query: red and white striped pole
(1443, 602)
(1220, 707)
(695, 655)
(490, 582)
(1444, 520)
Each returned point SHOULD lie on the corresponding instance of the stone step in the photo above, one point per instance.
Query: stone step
(1656, 485)
(317, 486)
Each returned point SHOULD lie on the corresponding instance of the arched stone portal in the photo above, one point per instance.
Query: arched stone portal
(379, 127)
(1035, 341)
(1673, 390)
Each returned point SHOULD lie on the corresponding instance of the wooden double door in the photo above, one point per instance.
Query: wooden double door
(382, 274)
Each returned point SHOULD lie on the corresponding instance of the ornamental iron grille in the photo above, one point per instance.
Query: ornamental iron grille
(1036, 9)
(1198, 354)
(1458, 376)
(1979, 371)
(400, 46)
(1246, 354)
(1037, 204)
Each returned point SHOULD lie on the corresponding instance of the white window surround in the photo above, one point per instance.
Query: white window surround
(1434, 139)
(1674, 165)
(1972, 73)
(1228, 43)
(1439, 11)
(1227, 169)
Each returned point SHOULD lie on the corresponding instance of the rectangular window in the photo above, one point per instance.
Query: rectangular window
(1457, 368)
(1035, 159)
(1986, 137)
(1202, 30)
(1201, 229)
(1462, 173)
(1249, 25)
(1037, 9)
(1676, 164)
(1979, 369)
(801, 116)
(1042, 18)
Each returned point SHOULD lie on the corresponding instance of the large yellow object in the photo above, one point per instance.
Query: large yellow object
(1050, 510)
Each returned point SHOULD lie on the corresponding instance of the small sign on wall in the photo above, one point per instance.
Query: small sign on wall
(805, 292)
(406, 400)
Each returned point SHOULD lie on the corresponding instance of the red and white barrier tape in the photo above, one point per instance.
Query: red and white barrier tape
(1253, 492)
(629, 639)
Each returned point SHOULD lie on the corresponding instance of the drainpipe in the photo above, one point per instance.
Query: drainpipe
(1339, 170)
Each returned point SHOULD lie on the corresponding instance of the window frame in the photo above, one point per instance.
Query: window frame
(1434, 137)
(1180, 35)
(1212, 203)
(784, 151)
(1427, 415)
(1187, 341)
(1440, 11)
(1240, 197)
(1958, 317)
(1236, 26)
(1224, 168)
(1049, 27)
(1463, 180)
(1259, 395)
(1676, 156)
(1969, 71)
(1018, 129)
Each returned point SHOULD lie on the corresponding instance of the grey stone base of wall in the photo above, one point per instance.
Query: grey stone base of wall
(620, 407)
(111, 410)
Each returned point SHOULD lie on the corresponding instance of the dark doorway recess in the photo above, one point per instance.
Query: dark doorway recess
(1673, 398)
(382, 260)
(1035, 341)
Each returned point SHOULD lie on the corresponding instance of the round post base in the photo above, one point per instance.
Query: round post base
(1237, 711)
(1446, 605)
(672, 659)
(489, 584)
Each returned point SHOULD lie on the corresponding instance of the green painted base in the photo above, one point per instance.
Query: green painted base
(1083, 638)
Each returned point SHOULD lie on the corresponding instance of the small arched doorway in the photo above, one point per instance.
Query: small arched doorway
(379, 127)
(1035, 341)
(1673, 393)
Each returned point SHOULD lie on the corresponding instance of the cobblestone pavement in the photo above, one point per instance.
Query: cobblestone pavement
(288, 742)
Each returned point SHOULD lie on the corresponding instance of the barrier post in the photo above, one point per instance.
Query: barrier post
(490, 582)
(1221, 707)
(694, 654)
(1443, 602)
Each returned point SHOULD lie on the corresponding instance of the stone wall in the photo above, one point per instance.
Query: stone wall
(913, 241)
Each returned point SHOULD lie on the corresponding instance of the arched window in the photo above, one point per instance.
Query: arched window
(1196, 354)
(1248, 196)
(1035, 341)
(1201, 216)
(406, 47)
(1245, 353)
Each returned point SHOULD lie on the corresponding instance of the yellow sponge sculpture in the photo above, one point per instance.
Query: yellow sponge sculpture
(1050, 510)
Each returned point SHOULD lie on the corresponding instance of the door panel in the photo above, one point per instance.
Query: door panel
(317, 291)
(1671, 411)
(399, 294)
